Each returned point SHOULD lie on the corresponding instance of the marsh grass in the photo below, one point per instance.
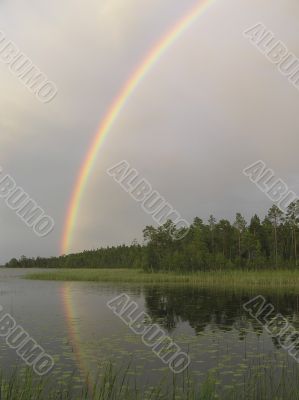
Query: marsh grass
(258, 383)
(234, 278)
(112, 385)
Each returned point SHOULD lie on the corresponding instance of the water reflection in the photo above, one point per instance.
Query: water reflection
(72, 321)
(212, 309)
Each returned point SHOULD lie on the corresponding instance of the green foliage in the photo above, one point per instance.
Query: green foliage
(216, 245)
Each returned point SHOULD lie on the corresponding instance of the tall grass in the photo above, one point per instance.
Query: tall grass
(258, 383)
(111, 386)
(232, 278)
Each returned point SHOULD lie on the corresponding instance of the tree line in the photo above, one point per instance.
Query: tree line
(268, 243)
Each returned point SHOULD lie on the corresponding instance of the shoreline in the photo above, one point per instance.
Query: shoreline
(282, 278)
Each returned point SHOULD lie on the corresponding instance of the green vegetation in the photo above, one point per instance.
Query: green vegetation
(112, 385)
(256, 384)
(271, 243)
(264, 279)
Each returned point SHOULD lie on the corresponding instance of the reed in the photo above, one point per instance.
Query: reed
(232, 278)
(258, 383)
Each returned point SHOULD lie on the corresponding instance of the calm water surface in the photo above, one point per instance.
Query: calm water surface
(73, 324)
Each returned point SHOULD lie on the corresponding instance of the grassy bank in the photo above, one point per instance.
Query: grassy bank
(266, 278)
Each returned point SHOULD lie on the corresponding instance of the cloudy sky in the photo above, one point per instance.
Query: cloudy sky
(212, 105)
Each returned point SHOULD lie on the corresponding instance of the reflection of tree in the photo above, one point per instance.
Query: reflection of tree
(213, 309)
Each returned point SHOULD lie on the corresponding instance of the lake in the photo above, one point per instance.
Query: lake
(72, 322)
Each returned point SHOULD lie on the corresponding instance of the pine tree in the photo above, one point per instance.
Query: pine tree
(275, 216)
(240, 225)
(293, 220)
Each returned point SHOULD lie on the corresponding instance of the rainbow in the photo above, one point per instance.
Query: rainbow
(74, 334)
(114, 110)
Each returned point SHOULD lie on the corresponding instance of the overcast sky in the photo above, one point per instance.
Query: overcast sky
(212, 105)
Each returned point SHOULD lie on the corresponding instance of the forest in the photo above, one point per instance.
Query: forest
(271, 242)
